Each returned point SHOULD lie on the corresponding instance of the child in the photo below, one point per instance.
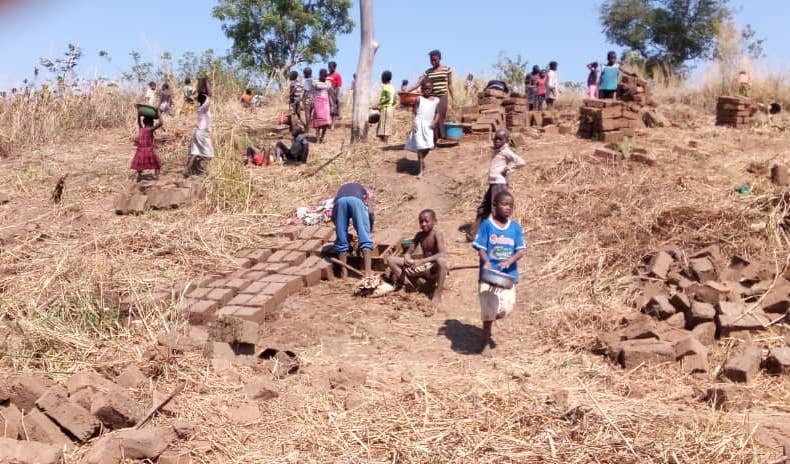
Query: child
(307, 104)
(253, 157)
(187, 89)
(387, 101)
(150, 94)
(145, 157)
(200, 148)
(433, 263)
(246, 99)
(500, 244)
(540, 89)
(322, 117)
(353, 204)
(299, 148)
(552, 85)
(425, 119)
(610, 77)
(592, 80)
(336, 81)
(469, 85)
(295, 96)
(404, 85)
(744, 83)
(165, 99)
(531, 83)
(503, 162)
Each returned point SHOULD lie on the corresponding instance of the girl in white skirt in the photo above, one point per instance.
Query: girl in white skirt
(425, 120)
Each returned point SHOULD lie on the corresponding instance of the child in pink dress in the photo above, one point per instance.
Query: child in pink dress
(145, 157)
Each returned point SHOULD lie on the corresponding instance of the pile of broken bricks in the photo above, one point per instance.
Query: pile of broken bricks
(690, 301)
(163, 193)
(39, 418)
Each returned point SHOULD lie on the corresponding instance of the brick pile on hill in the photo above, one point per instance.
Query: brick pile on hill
(164, 193)
(609, 120)
(734, 111)
(496, 110)
(633, 89)
(39, 417)
(693, 300)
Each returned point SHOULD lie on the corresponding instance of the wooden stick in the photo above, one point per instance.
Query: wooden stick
(342, 264)
(179, 388)
(458, 268)
(327, 162)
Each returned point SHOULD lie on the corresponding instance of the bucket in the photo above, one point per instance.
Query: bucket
(453, 131)
(148, 111)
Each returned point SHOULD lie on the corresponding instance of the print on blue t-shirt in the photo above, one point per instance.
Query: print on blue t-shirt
(500, 243)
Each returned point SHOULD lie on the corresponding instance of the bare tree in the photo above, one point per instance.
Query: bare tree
(361, 105)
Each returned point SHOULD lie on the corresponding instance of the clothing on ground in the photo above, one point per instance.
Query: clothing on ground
(495, 302)
(421, 138)
(145, 157)
(499, 244)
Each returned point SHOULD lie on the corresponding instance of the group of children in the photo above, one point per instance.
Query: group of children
(602, 83)
(543, 87)
(201, 147)
(315, 103)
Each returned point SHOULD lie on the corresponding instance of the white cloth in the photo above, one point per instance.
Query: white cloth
(552, 84)
(204, 116)
(201, 144)
(503, 160)
(496, 302)
(150, 96)
(421, 138)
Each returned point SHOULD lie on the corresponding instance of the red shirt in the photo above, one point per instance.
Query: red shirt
(540, 82)
(336, 79)
(257, 159)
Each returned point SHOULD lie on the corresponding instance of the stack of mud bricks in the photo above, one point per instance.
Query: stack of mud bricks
(34, 407)
(734, 111)
(265, 277)
(165, 193)
(516, 110)
(634, 89)
(608, 120)
(488, 115)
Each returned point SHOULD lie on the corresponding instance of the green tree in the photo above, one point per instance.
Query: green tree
(667, 33)
(511, 71)
(63, 68)
(275, 35)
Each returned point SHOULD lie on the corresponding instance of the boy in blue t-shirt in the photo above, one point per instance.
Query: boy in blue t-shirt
(500, 244)
(610, 77)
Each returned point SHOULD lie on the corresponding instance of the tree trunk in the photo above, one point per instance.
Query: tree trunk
(361, 105)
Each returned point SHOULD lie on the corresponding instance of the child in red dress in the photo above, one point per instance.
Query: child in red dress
(145, 157)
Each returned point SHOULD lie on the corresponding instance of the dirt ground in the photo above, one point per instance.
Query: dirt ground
(395, 379)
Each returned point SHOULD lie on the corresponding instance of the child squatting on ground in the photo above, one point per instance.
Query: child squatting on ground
(432, 265)
(500, 244)
(425, 119)
(145, 157)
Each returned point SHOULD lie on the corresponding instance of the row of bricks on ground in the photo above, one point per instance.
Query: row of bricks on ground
(253, 299)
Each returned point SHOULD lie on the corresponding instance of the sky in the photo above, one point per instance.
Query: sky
(469, 35)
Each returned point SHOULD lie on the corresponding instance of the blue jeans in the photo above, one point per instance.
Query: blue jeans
(351, 209)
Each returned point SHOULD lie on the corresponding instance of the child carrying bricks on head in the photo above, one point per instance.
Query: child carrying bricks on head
(500, 244)
(503, 162)
(145, 157)
(431, 265)
(425, 119)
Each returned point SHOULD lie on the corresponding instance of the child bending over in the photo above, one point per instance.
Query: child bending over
(500, 244)
(145, 157)
(432, 265)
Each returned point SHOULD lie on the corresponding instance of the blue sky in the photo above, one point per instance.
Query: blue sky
(470, 37)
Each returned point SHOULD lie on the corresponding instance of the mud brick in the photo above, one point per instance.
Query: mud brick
(241, 299)
(612, 136)
(292, 283)
(278, 290)
(312, 261)
(116, 410)
(605, 153)
(641, 327)
(636, 352)
(704, 293)
(324, 233)
(659, 307)
(256, 287)
(778, 361)
(25, 388)
(659, 264)
(221, 295)
(703, 268)
(201, 311)
(253, 276)
(694, 364)
(90, 381)
(728, 396)
(468, 110)
(232, 329)
(311, 246)
(277, 256)
(689, 346)
(295, 258)
(677, 320)
(307, 232)
(700, 312)
(39, 427)
(199, 293)
(274, 268)
(729, 324)
(674, 335)
(705, 332)
(681, 302)
(294, 245)
(227, 311)
(217, 283)
(743, 364)
(610, 124)
(245, 263)
(310, 276)
(289, 232)
(257, 314)
(258, 255)
(71, 417)
(237, 284)
(175, 457)
(10, 421)
(490, 108)
(219, 350)
(594, 103)
(205, 281)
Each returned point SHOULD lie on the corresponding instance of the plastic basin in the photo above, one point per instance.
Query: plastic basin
(408, 98)
(453, 131)
(147, 110)
(496, 278)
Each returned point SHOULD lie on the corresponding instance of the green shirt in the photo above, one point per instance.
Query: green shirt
(387, 98)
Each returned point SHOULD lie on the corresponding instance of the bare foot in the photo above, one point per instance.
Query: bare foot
(437, 299)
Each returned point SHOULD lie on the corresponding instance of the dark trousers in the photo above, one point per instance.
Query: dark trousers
(486, 207)
(441, 110)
